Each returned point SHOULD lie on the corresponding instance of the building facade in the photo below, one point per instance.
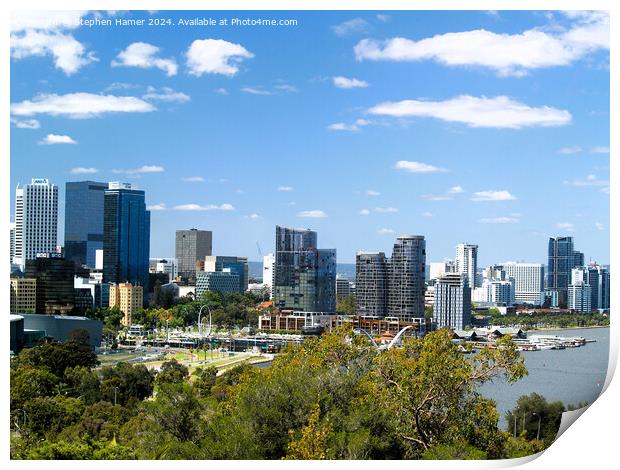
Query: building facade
(54, 279)
(406, 278)
(23, 295)
(236, 264)
(344, 287)
(191, 246)
(304, 276)
(529, 282)
(128, 298)
(84, 201)
(467, 262)
(223, 281)
(562, 258)
(598, 278)
(452, 302)
(36, 220)
(268, 272)
(371, 284)
(126, 236)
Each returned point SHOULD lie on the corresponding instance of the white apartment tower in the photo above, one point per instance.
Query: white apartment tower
(467, 262)
(529, 281)
(36, 220)
(268, 263)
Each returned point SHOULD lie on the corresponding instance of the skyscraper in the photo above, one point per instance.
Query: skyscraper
(54, 282)
(529, 281)
(562, 259)
(36, 220)
(126, 232)
(371, 284)
(406, 279)
(598, 279)
(304, 276)
(83, 221)
(192, 246)
(467, 262)
(452, 302)
(268, 268)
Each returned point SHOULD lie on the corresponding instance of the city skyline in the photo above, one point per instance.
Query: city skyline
(369, 124)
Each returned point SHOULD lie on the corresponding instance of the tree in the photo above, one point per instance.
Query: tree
(204, 380)
(171, 372)
(312, 441)
(177, 411)
(50, 415)
(29, 382)
(129, 383)
(346, 305)
(58, 356)
(532, 409)
(84, 383)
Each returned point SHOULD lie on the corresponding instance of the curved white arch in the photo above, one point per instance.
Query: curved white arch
(372, 340)
(397, 337)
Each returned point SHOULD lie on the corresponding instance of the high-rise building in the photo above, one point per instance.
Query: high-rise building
(441, 268)
(84, 202)
(164, 265)
(495, 291)
(562, 259)
(12, 241)
(224, 281)
(529, 281)
(580, 297)
(128, 298)
(467, 262)
(23, 295)
(36, 220)
(406, 279)
(371, 284)
(344, 287)
(304, 276)
(54, 279)
(598, 279)
(268, 272)
(126, 236)
(452, 302)
(236, 264)
(192, 246)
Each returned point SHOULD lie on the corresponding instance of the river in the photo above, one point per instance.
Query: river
(571, 375)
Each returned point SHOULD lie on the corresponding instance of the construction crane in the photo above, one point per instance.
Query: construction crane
(260, 253)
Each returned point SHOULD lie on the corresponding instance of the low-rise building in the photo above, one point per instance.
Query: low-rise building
(127, 298)
(23, 295)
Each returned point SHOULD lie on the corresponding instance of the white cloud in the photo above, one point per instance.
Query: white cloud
(220, 91)
(385, 210)
(567, 226)
(417, 167)
(285, 188)
(364, 212)
(599, 226)
(427, 214)
(506, 54)
(80, 105)
(498, 112)
(157, 207)
(499, 220)
(341, 126)
(605, 190)
(140, 170)
(385, 231)
(253, 216)
(208, 207)
(286, 88)
(80, 170)
(599, 150)
(43, 33)
(356, 25)
(343, 82)
(144, 55)
(590, 180)
(437, 197)
(52, 139)
(492, 196)
(570, 150)
(383, 18)
(313, 214)
(26, 123)
(372, 192)
(455, 190)
(215, 56)
(193, 179)
(165, 94)
(255, 91)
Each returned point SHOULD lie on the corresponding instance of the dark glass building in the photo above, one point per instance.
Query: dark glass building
(83, 221)
(407, 274)
(304, 276)
(192, 246)
(54, 275)
(371, 284)
(562, 258)
(126, 235)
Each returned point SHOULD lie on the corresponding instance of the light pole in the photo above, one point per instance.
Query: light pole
(115, 390)
(539, 421)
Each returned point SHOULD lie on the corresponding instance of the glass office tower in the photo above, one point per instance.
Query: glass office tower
(407, 274)
(126, 232)
(562, 259)
(305, 277)
(83, 221)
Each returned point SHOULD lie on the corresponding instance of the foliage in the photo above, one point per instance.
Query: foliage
(204, 380)
(346, 305)
(312, 440)
(171, 372)
(132, 383)
(532, 409)
(57, 357)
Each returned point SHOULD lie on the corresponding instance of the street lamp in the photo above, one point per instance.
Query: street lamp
(115, 390)
(539, 421)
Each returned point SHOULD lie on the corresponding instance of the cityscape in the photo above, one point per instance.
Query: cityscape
(393, 247)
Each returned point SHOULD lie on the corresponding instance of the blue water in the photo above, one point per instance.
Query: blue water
(571, 375)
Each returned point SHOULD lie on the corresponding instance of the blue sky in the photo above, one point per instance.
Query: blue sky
(481, 127)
